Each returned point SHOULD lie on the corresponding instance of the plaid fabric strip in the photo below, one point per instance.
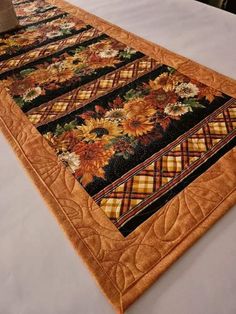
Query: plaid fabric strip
(29, 20)
(196, 134)
(166, 170)
(47, 50)
(83, 95)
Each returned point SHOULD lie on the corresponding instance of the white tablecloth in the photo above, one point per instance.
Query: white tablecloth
(39, 271)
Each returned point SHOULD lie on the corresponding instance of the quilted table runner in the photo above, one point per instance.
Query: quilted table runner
(131, 145)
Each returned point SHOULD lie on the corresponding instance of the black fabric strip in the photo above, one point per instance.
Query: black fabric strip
(138, 219)
(20, 27)
(42, 43)
(83, 80)
(103, 100)
(46, 20)
(53, 55)
(49, 9)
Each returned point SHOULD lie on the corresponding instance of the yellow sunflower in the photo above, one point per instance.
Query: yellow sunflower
(40, 76)
(76, 61)
(99, 130)
(139, 107)
(32, 93)
(163, 81)
(60, 71)
(63, 75)
(5, 44)
(10, 42)
(137, 126)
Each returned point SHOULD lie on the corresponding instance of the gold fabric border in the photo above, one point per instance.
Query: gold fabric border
(124, 267)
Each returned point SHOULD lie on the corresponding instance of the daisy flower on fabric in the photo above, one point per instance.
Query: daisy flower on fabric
(70, 159)
(186, 90)
(176, 109)
(108, 53)
(53, 34)
(67, 25)
(31, 94)
(115, 114)
(130, 50)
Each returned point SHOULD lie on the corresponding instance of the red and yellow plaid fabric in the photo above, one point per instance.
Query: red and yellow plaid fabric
(168, 167)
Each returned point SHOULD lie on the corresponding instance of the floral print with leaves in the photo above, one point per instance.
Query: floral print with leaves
(32, 8)
(137, 118)
(32, 36)
(68, 68)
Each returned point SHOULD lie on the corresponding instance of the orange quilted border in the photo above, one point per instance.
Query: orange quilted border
(124, 267)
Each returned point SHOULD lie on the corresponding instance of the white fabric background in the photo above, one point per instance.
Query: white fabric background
(39, 271)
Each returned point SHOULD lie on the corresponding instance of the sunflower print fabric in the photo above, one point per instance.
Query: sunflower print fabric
(34, 84)
(32, 36)
(32, 8)
(137, 118)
